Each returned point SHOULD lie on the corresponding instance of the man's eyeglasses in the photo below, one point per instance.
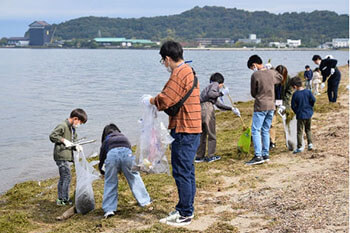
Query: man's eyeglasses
(162, 61)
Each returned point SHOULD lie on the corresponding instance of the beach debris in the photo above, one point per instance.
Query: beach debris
(67, 214)
(153, 143)
(86, 174)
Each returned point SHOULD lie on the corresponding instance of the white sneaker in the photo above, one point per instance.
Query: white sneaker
(180, 221)
(171, 217)
(310, 146)
(109, 214)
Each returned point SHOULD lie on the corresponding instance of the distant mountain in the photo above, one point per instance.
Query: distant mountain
(214, 22)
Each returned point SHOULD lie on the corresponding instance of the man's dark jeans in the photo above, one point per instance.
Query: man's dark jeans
(183, 151)
(332, 90)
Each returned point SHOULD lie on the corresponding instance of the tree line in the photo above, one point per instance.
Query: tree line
(312, 28)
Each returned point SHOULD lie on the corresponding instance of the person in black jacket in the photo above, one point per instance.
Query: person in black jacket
(117, 156)
(328, 67)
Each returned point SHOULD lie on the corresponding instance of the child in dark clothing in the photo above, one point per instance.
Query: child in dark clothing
(63, 136)
(302, 105)
(308, 77)
(208, 98)
(117, 156)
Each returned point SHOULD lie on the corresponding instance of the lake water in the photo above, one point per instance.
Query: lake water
(40, 87)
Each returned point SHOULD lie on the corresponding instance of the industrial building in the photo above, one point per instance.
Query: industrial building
(39, 33)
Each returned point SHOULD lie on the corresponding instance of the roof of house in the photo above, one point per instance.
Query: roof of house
(39, 24)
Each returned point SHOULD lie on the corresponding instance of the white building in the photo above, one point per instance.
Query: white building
(252, 40)
(18, 41)
(252, 36)
(340, 43)
(293, 43)
(277, 44)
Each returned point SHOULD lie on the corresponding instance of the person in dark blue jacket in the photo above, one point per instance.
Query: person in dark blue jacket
(117, 156)
(308, 77)
(328, 67)
(302, 104)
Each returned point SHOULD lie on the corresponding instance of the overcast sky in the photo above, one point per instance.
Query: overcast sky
(15, 15)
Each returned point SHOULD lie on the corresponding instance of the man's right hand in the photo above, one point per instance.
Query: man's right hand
(146, 100)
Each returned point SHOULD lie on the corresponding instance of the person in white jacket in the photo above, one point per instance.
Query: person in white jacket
(316, 81)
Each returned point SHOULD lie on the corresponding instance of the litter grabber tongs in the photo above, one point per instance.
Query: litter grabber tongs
(81, 141)
(233, 105)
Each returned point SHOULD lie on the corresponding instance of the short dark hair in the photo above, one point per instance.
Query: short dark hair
(254, 59)
(171, 49)
(217, 77)
(307, 67)
(80, 114)
(316, 57)
(296, 81)
(108, 129)
(317, 69)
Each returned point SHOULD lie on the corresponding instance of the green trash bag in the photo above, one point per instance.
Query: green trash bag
(244, 141)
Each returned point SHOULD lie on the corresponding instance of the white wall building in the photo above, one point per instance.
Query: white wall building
(293, 43)
(277, 44)
(18, 41)
(340, 43)
(252, 36)
(252, 40)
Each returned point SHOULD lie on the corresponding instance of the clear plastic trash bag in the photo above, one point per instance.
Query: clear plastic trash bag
(86, 174)
(152, 144)
(290, 130)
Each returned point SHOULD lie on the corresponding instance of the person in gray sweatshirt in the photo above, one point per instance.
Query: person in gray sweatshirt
(262, 89)
(208, 98)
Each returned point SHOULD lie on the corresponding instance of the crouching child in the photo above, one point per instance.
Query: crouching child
(117, 156)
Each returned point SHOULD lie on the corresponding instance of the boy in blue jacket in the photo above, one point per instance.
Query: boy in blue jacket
(302, 104)
(308, 77)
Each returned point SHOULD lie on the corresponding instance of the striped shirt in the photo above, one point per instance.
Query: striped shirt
(188, 119)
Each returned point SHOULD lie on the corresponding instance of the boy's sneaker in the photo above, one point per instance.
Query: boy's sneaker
(296, 151)
(310, 147)
(109, 214)
(213, 158)
(198, 160)
(266, 158)
(60, 202)
(180, 221)
(255, 160)
(272, 146)
(68, 202)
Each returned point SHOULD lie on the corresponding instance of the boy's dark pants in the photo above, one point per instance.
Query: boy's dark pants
(64, 181)
(183, 151)
(301, 124)
(208, 130)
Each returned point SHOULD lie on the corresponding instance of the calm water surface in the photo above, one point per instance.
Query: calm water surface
(40, 87)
